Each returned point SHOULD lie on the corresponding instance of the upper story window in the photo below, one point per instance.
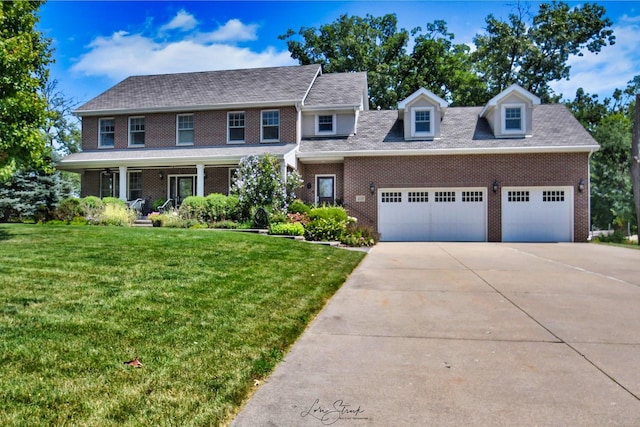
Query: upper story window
(235, 127)
(326, 124)
(184, 132)
(422, 121)
(513, 118)
(270, 126)
(107, 133)
(136, 131)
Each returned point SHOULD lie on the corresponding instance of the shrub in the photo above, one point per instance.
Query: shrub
(216, 207)
(233, 207)
(302, 218)
(325, 229)
(287, 229)
(228, 225)
(114, 214)
(337, 213)
(92, 207)
(194, 208)
(113, 201)
(68, 209)
(358, 235)
(615, 237)
(299, 207)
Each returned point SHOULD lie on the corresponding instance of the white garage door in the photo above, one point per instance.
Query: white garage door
(432, 214)
(537, 214)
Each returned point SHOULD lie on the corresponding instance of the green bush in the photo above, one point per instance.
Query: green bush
(337, 213)
(325, 229)
(113, 201)
(68, 209)
(114, 214)
(299, 207)
(286, 228)
(357, 235)
(216, 207)
(228, 225)
(194, 208)
(615, 237)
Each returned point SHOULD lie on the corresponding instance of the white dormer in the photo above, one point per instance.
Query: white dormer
(510, 112)
(422, 112)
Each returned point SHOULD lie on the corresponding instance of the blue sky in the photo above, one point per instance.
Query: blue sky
(99, 43)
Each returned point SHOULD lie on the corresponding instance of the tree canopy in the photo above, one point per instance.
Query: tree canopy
(530, 50)
(24, 56)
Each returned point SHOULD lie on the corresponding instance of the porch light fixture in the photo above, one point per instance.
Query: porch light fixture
(581, 185)
(160, 175)
(372, 187)
(107, 171)
(495, 185)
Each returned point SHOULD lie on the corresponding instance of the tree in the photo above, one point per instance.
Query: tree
(31, 196)
(635, 160)
(24, 57)
(371, 44)
(534, 52)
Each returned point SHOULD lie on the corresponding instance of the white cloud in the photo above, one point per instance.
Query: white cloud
(183, 21)
(612, 68)
(124, 54)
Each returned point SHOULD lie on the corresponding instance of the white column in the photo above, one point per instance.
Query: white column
(283, 170)
(200, 181)
(123, 182)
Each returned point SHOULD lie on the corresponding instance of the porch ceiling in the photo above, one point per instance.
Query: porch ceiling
(167, 157)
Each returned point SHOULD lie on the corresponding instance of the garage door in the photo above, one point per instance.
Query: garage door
(537, 214)
(432, 214)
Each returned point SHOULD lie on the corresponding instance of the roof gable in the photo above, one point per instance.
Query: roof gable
(422, 92)
(513, 89)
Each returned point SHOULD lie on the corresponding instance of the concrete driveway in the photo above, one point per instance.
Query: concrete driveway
(433, 334)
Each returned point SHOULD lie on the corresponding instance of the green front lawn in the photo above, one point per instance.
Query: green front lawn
(206, 312)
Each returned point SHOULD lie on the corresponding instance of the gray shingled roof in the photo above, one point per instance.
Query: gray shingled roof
(184, 91)
(338, 89)
(172, 156)
(461, 129)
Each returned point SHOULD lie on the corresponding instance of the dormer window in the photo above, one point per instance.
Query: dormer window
(326, 124)
(422, 121)
(513, 118)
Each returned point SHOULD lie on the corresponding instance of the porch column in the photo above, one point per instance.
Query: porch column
(200, 180)
(123, 182)
(283, 170)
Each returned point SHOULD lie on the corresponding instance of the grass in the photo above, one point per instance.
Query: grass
(207, 313)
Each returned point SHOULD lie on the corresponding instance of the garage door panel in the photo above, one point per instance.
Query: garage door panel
(432, 215)
(537, 214)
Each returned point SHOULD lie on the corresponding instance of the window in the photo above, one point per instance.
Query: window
(109, 184)
(445, 196)
(418, 196)
(422, 121)
(185, 129)
(325, 123)
(271, 126)
(553, 196)
(518, 196)
(472, 196)
(107, 133)
(236, 127)
(513, 120)
(136, 131)
(391, 197)
(135, 185)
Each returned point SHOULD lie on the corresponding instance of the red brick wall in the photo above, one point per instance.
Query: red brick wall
(564, 169)
(210, 128)
(309, 172)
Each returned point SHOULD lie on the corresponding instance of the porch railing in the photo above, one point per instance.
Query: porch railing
(166, 204)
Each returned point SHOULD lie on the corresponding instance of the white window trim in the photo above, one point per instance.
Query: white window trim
(231, 172)
(335, 125)
(262, 126)
(100, 133)
(129, 172)
(129, 131)
(115, 190)
(523, 119)
(432, 124)
(325, 175)
(229, 141)
(178, 129)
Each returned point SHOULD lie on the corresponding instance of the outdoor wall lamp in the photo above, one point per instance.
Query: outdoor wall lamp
(581, 185)
(160, 175)
(495, 185)
(372, 187)
(107, 171)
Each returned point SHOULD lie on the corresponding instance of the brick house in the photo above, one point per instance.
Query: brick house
(512, 170)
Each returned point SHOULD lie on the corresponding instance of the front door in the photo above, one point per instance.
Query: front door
(325, 186)
(181, 187)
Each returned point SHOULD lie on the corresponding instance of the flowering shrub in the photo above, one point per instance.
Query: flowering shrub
(259, 182)
(357, 235)
(302, 218)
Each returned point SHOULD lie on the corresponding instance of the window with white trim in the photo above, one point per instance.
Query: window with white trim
(235, 127)
(513, 118)
(109, 184)
(270, 126)
(185, 124)
(136, 131)
(135, 185)
(107, 133)
(422, 121)
(326, 124)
